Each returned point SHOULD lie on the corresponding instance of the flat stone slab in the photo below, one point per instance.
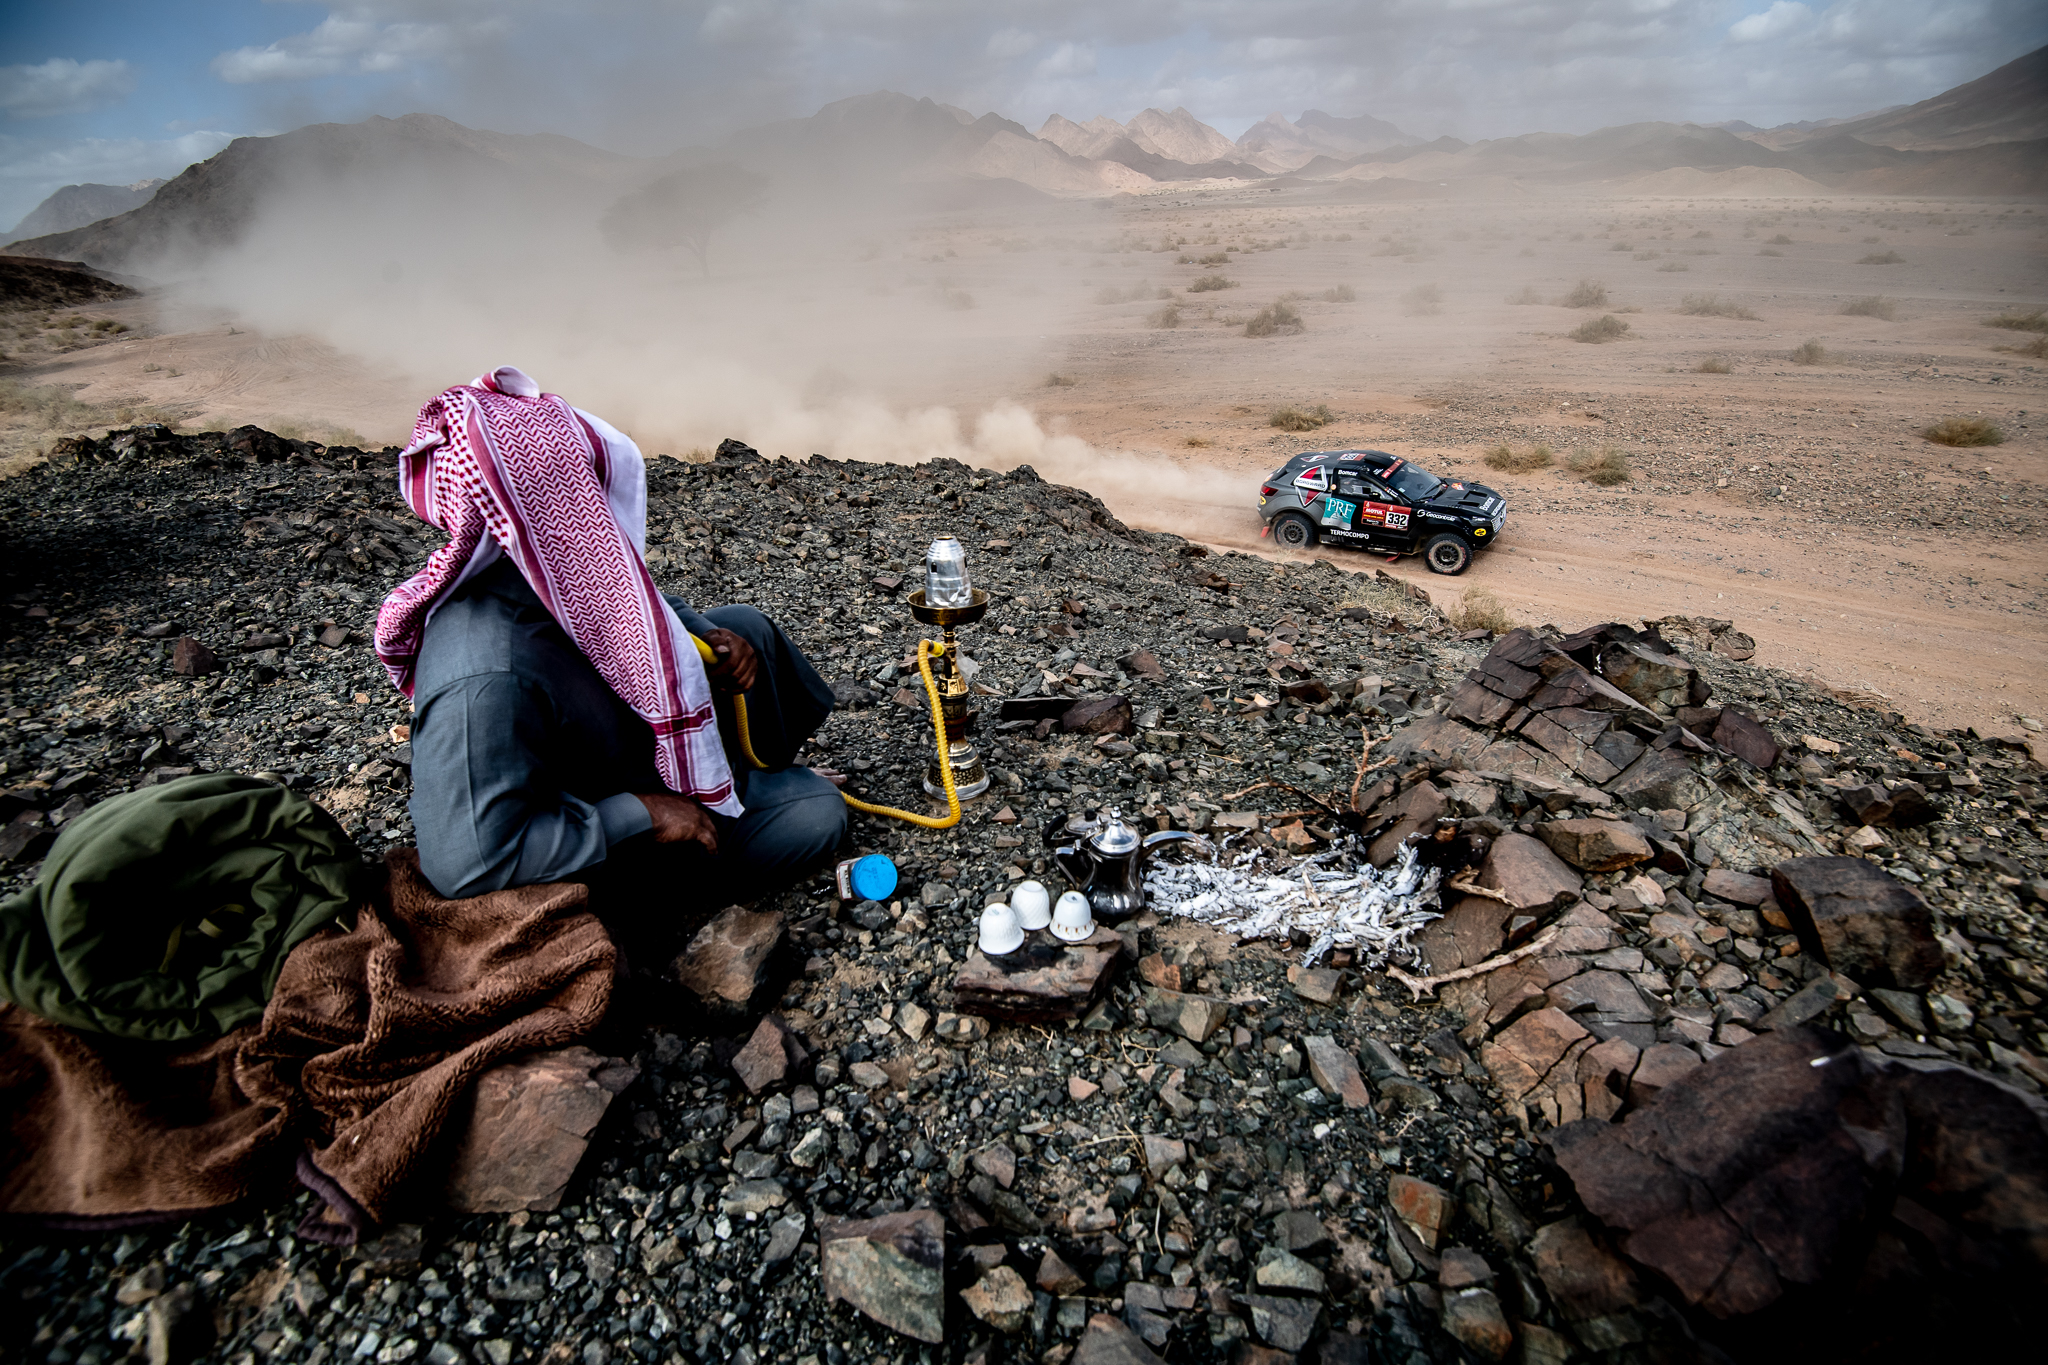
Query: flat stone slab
(528, 1125)
(1336, 1071)
(891, 1268)
(1044, 981)
(725, 962)
(1860, 920)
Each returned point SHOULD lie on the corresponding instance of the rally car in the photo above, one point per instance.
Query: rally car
(1370, 500)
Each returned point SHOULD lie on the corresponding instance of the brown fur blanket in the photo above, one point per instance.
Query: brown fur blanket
(371, 1037)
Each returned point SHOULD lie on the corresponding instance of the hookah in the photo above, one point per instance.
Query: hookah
(947, 600)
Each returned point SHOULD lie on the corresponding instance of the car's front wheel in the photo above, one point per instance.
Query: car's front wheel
(1294, 531)
(1447, 554)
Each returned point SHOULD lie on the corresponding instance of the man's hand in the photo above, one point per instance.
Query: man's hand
(737, 663)
(679, 820)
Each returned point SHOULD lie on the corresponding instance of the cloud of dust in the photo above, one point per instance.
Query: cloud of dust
(828, 321)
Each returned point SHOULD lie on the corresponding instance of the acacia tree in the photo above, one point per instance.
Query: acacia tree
(684, 210)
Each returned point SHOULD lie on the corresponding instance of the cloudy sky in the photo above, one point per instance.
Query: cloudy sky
(117, 90)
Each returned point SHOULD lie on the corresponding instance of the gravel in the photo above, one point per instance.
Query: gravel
(690, 1233)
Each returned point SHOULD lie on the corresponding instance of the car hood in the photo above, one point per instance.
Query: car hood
(1465, 497)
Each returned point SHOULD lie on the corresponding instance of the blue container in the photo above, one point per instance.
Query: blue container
(872, 878)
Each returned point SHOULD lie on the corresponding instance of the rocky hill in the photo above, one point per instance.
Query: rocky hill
(210, 206)
(2008, 105)
(1731, 1050)
(76, 205)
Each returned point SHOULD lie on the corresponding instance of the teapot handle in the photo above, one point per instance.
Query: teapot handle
(1074, 865)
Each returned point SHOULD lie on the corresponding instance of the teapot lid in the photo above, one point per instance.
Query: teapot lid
(1114, 836)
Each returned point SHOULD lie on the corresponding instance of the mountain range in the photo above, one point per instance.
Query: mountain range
(1986, 137)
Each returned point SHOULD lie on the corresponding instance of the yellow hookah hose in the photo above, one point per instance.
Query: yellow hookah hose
(925, 650)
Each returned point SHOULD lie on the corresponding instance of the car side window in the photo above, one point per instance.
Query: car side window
(1352, 486)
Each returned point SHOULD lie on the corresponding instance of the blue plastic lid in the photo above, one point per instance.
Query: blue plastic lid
(874, 877)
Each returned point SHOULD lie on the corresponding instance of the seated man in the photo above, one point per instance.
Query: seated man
(565, 720)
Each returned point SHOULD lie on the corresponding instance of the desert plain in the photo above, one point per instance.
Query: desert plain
(1781, 485)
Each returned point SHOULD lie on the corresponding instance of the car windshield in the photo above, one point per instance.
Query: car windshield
(1410, 481)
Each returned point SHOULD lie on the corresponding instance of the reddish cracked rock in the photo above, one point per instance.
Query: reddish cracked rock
(528, 1125)
(190, 659)
(769, 1056)
(725, 962)
(1738, 887)
(1860, 920)
(1758, 1170)
(891, 1268)
(1748, 740)
(1474, 1317)
(1426, 1209)
(1527, 1051)
(1660, 1066)
(1528, 874)
(1469, 933)
(1336, 1071)
(1098, 716)
(1596, 845)
(1108, 1342)
(1417, 809)
(1585, 1277)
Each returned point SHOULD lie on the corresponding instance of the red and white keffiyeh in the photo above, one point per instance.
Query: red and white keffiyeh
(506, 469)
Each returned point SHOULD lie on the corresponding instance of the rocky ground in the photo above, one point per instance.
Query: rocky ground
(1231, 1158)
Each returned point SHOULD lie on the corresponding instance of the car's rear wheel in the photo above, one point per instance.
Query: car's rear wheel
(1294, 531)
(1447, 554)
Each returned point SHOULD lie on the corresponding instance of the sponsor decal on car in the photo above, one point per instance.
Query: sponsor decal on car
(1336, 511)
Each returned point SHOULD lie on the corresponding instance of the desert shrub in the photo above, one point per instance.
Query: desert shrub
(1714, 364)
(1701, 235)
(1712, 306)
(1209, 284)
(1781, 240)
(957, 299)
(1809, 352)
(50, 407)
(1275, 319)
(1479, 609)
(1343, 293)
(1882, 258)
(1214, 258)
(1109, 295)
(1606, 466)
(1876, 306)
(2037, 348)
(1059, 381)
(1769, 251)
(1586, 294)
(1621, 246)
(2012, 319)
(1291, 418)
(1509, 460)
(1198, 442)
(1526, 294)
(1166, 318)
(1671, 267)
(1964, 431)
(1422, 301)
(1606, 327)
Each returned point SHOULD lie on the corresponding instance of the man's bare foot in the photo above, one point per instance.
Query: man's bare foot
(836, 778)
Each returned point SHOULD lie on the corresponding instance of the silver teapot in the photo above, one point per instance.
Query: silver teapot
(1103, 856)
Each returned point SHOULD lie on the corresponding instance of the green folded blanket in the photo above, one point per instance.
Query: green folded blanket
(166, 913)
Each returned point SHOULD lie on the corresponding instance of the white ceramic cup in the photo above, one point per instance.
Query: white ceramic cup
(1072, 920)
(1033, 906)
(999, 931)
